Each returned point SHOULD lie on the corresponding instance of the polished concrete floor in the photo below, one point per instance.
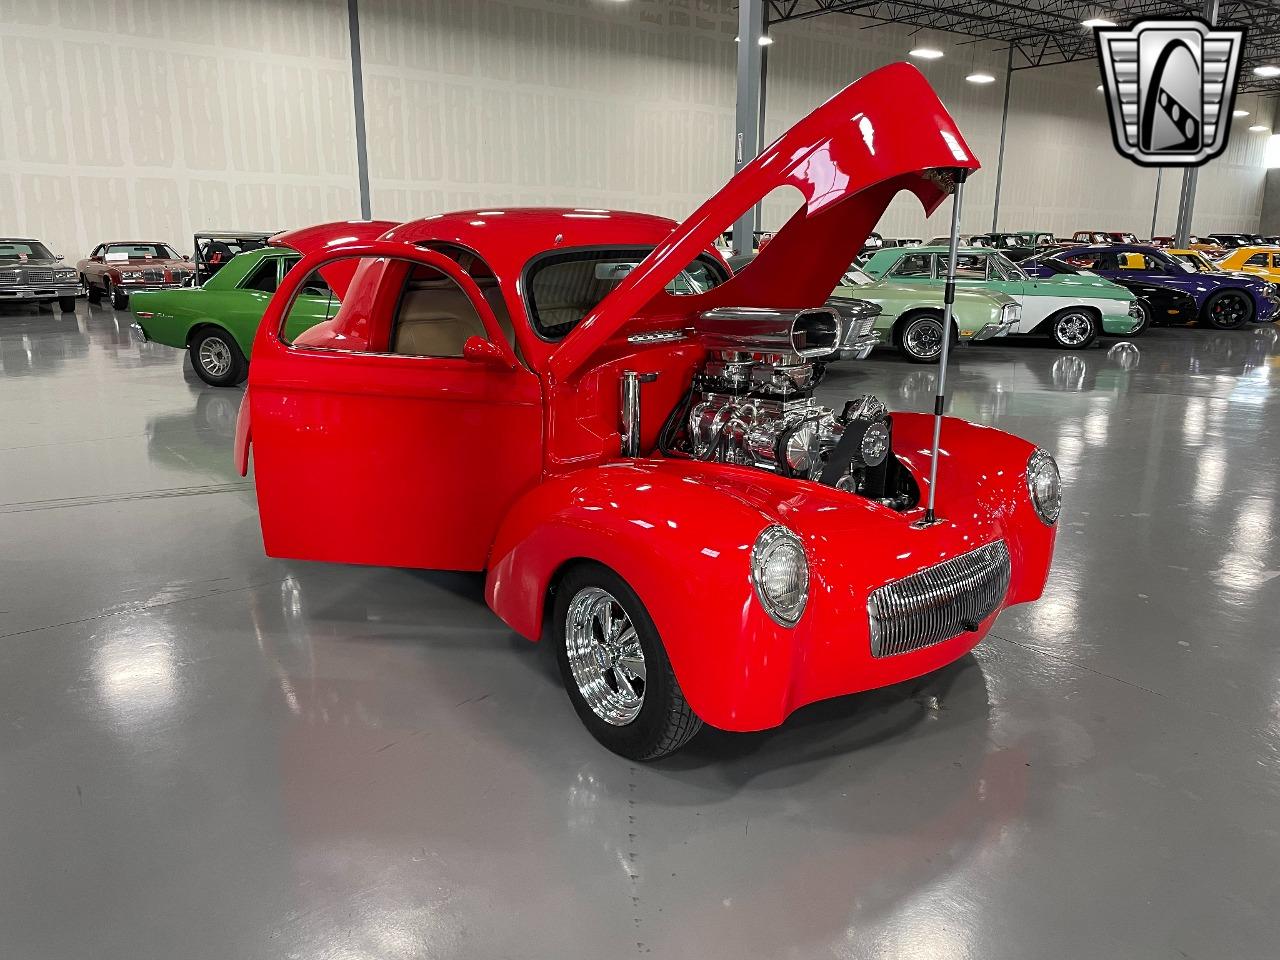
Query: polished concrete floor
(209, 754)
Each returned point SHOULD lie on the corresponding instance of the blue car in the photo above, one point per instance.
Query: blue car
(1222, 300)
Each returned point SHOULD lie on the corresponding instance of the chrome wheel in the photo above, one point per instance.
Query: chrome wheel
(215, 357)
(1073, 329)
(923, 338)
(605, 656)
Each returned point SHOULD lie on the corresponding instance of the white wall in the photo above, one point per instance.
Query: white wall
(148, 119)
(151, 118)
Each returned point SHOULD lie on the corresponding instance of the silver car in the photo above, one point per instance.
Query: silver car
(29, 273)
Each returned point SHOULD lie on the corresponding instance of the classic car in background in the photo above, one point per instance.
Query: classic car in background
(116, 269)
(215, 248)
(1102, 236)
(217, 322)
(1230, 241)
(1072, 310)
(29, 273)
(670, 506)
(1154, 304)
(1262, 261)
(1222, 301)
(911, 315)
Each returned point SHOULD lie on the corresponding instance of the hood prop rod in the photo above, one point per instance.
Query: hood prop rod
(948, 309)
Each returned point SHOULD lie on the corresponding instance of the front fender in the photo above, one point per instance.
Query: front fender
(683, 545)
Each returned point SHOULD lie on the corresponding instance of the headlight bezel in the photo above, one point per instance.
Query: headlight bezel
(1041, 464)
(773, 542)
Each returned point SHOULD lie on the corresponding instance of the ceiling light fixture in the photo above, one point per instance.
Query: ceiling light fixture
(765, 39)
(927, 53)
(1099, 88)
(1097, 22)
(1239, 113)
(1266, 70)
(980, 77)
(1259, 128)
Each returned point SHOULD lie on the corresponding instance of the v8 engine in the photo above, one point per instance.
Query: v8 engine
(752, 404)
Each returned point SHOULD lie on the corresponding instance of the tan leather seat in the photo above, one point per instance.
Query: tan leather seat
(435, 320)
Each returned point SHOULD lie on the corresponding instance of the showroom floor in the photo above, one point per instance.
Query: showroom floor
(208, 753)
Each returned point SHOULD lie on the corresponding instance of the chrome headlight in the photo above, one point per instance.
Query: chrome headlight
(1044, 483)
(780, 574)
(66, 274)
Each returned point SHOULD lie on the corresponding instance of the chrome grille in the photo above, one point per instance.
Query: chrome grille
(9, 276)
(154, 275)
(35, 275)
(938, 603)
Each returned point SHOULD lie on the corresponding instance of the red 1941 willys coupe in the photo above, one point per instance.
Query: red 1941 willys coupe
(587, 407)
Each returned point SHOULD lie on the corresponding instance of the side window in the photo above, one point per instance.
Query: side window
(971, 266)
(915, 265)
(1257, 260)
(434, 317)
(264, 278)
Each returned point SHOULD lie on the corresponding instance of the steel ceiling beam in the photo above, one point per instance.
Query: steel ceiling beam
(1047, 32)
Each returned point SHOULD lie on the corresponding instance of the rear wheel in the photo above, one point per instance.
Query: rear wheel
(1228, 309)
(217, 359)
(615, 669)
(1073, 328)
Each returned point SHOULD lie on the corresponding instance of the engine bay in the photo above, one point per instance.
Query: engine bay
(752, 404)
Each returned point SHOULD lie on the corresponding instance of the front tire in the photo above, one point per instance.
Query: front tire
(67, 304)
(1228, 310)
(217, 358)
(1145, 315)
(921, 339)
(1073, 328)
(615, 668)
(119, 298)
(92, 292)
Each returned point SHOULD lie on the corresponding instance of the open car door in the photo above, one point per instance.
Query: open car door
(397, 433)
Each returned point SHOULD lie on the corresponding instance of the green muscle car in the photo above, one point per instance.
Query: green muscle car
(217, 322)
(911, 315)
(1072, 309)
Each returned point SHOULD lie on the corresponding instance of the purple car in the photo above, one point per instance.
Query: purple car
(1223, 301)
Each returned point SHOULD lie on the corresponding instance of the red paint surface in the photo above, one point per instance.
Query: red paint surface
(511, 465)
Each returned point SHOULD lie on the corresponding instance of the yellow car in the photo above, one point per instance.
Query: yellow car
(1263, 261)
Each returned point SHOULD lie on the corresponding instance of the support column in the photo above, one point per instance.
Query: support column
(1004, 127)
(1187, 200)
(750, 83)
(357, 86)
(1155, 207)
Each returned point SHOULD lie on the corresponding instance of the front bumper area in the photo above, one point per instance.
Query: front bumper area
(1120, 325)
(26, 293)
(999, 329)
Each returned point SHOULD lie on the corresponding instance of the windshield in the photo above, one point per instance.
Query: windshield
(1198, 262)
(1003, 264)
(140, 251)
(562, 288)
(853, 277)
(19, 250)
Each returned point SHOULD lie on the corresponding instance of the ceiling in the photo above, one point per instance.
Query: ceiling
(1045, 32)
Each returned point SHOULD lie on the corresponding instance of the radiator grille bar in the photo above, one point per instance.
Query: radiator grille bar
(938, 603)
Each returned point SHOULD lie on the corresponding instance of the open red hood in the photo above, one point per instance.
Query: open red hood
(339, 233)
(881, 134)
